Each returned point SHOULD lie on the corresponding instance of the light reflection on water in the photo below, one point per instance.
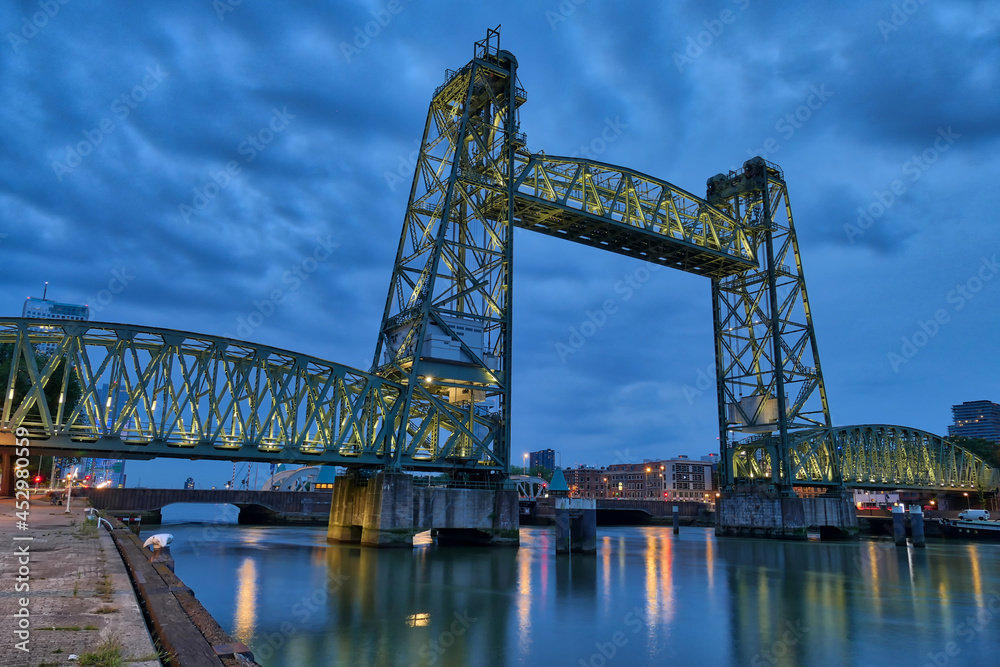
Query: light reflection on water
(647, 597)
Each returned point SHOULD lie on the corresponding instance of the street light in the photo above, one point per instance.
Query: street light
(69, 488)
(525, 466)
(968, 503)
(646, 488)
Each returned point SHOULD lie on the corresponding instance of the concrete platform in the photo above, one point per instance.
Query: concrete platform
(79, 592)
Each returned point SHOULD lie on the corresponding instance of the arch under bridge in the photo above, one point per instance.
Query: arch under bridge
(437, 395)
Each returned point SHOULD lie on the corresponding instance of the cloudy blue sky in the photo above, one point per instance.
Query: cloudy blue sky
(115, 119)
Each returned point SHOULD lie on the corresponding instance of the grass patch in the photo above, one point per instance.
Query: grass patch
(104, 588)
(106, 610)
(64, 627)
(91, 627)
(109, 653)
(58, 650)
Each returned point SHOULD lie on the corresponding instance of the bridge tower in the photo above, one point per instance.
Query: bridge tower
(446, 329)
(767, 359)
(770, 382)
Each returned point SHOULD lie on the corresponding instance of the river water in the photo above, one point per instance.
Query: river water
(647, 598)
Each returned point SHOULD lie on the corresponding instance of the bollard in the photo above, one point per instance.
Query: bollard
(677, 519)
(917, 525)
(898, 529)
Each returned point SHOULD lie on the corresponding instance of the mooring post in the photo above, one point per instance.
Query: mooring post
(917, 525)
(677, 519)
(898, 528)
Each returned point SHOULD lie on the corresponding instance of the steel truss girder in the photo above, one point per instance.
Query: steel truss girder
(869, 456)
(179, 394)
(629, 213)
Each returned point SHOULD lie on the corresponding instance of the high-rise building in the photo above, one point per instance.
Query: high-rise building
(544, 458)
(976, 419)
(46, 309)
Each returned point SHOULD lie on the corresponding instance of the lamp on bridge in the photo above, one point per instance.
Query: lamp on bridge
(968, 503)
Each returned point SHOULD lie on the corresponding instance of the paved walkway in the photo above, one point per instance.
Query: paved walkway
(79, 593)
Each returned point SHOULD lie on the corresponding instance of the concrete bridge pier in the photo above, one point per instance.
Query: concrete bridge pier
(576, 525)
(387, 510)
(761, 514)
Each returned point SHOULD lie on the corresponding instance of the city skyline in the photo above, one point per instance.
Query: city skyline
(236, 172)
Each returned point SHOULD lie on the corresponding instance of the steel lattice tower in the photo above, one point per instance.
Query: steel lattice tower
(446, 328)
(767, 361)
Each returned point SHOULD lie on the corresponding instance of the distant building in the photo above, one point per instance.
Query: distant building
(976, 419)
(667, 479)
(545, 458)
(46, 309)
(189, 483)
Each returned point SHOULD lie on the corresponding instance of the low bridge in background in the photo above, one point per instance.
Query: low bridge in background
(255, 506)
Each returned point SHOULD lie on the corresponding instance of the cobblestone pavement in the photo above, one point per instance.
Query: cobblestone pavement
(78, 591)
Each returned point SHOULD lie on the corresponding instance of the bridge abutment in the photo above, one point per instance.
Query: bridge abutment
(763, 515)
(387, 510)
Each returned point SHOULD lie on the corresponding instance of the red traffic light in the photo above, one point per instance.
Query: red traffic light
(38, 478)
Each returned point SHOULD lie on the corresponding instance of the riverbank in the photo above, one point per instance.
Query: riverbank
(65, 591)
(77, 589)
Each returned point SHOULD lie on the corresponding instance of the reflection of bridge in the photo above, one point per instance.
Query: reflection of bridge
(437, 395)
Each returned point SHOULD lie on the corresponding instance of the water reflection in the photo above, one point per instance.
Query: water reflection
(647, 596)
(246, 601)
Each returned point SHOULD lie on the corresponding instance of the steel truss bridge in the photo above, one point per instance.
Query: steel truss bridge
(437, 395)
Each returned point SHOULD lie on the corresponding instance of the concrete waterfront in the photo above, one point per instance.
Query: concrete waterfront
(72, 588)
(78, 594)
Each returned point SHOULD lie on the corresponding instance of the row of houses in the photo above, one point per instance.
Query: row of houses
(668, 479)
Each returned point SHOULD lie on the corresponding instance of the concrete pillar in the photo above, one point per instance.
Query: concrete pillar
(917, 525)
(343, 526)
(388, 511)
(898, 528)
(576, 525)
(676, 513)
